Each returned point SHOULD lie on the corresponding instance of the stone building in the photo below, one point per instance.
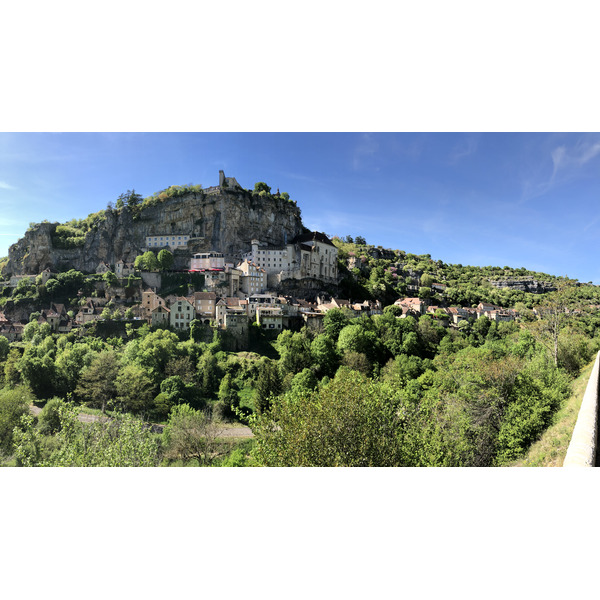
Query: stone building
(170, 242)
(161, 315)
(124, 269)
(253, 279)
(150, 301)
(310, 255)
(204, 305)
(182, 313)
(269, 317)
(204, 261)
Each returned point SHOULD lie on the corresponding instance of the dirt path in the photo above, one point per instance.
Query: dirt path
(235, 431)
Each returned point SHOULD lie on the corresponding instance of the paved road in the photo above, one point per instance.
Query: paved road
(236, 431)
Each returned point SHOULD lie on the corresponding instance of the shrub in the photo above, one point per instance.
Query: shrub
(192, 434)
(49, 418)
(14, 403)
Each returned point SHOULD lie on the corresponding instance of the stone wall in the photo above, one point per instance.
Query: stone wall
(583, 447)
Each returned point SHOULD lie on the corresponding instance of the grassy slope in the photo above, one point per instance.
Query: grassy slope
(550, 450)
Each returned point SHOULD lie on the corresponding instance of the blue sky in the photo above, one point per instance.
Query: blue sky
(497, 199)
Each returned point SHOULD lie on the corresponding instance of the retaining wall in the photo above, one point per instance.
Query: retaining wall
(582, 449)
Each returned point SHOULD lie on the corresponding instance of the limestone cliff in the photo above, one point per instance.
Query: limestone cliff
(218, 219)
(525, 285)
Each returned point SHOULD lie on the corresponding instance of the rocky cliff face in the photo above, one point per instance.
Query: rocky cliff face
(223, 221)
(525, 285)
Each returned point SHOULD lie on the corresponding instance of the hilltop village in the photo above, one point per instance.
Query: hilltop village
(232, 295)
(194, 312)
(279, 283)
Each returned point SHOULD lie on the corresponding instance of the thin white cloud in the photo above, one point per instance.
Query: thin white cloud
(6, 186)
(567, 163)
(587, 153)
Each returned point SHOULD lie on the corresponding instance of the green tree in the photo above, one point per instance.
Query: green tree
(334, 321)
(39, 373)
(355, 338)
(261, 186)
(555, 314)
(49, 418)
(351, 421)
(70, 361)
(325, 356)
(146, 262)
(294, 351)
(268, 384)
(227, 393)
(12, 371)
(229, 400)
(425, 293)
(305, 380)
(427, 280)
(129, 198)
(165, 260)
(138, 263)
(97, 385)
(135, 390)
(192, 434)
(209, 374)
(110, 279)
(153, 352)
(14, 403)
(30, 330)
(4, 347)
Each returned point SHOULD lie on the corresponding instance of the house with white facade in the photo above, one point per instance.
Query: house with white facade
(182, 313)
(207, 261)
(310, 255)
(253, 279)
(269, 317)
(261, 300)
(170, 242)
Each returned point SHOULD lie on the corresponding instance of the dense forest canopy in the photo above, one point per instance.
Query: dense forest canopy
(372, 390)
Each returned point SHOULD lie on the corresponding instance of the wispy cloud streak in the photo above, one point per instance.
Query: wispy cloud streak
(566, 165)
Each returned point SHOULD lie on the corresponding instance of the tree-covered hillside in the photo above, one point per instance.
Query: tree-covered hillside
(372, 271)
